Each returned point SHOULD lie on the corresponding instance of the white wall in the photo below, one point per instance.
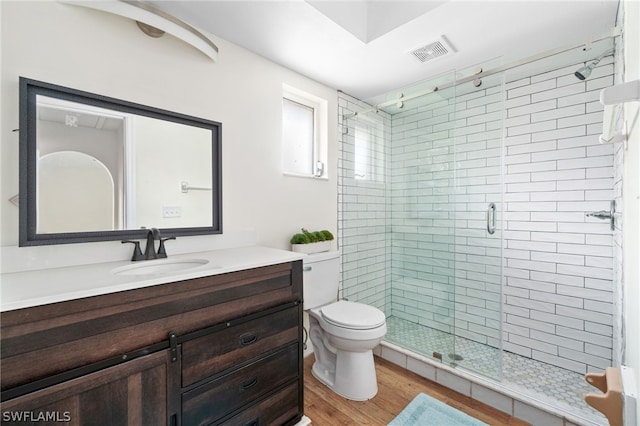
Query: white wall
(631, 194)
(75, 193)
(109, 55)
(166, 154)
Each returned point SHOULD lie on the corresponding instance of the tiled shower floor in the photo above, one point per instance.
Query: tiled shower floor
(553, 385)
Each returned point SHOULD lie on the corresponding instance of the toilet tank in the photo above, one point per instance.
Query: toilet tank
(321, 278)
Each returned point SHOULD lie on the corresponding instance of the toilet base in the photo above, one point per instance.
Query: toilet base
(354, 376)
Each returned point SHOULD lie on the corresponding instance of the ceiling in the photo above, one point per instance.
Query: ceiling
(362, 47)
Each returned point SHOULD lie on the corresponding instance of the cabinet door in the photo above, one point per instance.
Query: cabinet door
(137, 392)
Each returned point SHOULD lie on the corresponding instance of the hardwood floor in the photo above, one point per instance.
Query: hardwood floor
(396, 388)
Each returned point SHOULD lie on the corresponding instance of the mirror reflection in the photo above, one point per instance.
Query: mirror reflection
(98, 168)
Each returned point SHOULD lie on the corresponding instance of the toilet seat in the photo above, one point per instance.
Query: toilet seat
(352, 315)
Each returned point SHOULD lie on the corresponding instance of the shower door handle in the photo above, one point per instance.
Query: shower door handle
(491, 218)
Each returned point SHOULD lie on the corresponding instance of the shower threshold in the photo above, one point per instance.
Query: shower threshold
(538, 381)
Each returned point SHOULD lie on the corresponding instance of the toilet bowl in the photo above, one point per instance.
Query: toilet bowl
(343, 333)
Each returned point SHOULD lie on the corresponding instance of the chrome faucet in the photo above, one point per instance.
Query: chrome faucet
(150, 250)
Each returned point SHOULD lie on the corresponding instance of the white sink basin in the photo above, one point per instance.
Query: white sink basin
(160, 266)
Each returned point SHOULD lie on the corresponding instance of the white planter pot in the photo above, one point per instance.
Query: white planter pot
(318, 247)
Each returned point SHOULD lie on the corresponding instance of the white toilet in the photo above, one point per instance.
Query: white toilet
(343, 333)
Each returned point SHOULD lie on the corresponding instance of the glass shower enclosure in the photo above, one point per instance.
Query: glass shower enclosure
(420, 216)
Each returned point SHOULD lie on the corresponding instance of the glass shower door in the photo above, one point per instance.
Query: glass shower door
(422, 220)
(478, 230)
(441, 172)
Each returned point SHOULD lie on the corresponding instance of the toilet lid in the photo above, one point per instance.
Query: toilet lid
(353, 315)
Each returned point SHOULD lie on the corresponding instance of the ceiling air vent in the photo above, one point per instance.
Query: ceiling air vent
(433, 50)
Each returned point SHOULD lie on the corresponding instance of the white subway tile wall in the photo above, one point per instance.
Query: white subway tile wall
(409, 237)
(558, 271)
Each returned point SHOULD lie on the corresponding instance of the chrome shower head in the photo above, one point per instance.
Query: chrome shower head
(585, 71)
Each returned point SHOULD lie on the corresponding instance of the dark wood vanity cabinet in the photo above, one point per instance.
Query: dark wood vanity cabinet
(224, 349)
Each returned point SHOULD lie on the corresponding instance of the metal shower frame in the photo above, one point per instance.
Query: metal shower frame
(615, 32)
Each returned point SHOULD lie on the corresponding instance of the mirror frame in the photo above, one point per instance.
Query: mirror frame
(28, 235)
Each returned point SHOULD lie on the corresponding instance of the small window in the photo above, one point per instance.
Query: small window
(368, 155)
(304, 134)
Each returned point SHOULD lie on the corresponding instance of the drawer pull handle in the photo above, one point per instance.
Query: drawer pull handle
(248, 338)
(254, 422)
(249, 384)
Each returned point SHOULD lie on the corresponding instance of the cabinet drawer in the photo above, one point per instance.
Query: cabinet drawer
(278, 409)
(211, 401)
(212, 354)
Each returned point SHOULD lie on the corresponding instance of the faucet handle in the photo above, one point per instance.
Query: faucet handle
(161, 251)
(137, 253)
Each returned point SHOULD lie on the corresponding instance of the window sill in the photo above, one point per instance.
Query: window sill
(323, 177)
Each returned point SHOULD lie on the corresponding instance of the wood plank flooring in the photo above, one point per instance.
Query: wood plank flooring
(396, 388)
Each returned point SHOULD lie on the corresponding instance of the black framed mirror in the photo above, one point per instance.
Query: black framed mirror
(95, 168)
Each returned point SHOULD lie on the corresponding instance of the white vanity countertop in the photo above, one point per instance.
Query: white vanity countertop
(32, 288)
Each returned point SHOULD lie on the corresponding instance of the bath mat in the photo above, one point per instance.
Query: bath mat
(424, 411)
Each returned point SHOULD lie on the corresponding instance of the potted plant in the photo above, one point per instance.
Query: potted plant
(311, 242)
